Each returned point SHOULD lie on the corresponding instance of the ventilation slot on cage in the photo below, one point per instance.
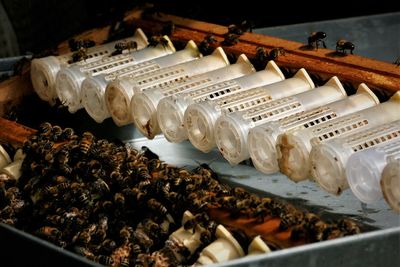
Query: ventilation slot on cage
(186, 87)
(376, 141)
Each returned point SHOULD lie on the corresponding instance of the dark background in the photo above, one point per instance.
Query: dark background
(40, 24)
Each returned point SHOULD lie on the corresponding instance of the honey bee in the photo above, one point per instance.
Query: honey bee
(276, 52)
(343, 45)
(230, 39)
(124, 45)
(126, 233)
(79, 55)
(156, 40)
(75, 45)
(104, 260)
(86, 142)
(45, 128)
(157, 206)
(397, 62)
(119, 199)
(205, 46)
(316, 38)
(48, 232)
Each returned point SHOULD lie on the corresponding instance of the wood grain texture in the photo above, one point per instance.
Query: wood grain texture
(14, 133)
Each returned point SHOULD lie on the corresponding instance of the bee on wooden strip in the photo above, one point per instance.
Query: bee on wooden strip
(342, 46)
(315, 39)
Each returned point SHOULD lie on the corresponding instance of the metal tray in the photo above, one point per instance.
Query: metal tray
(378, 247)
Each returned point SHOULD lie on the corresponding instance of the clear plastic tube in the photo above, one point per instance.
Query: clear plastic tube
(69, 81)
(119, 90)
(200, 118)
(295, 162)
(231, 130)
(144, 104)
(329, 159)
(170, 110)
(146, 119)
(44, 70)
(263, 138)
(364, 170)
(390, 184)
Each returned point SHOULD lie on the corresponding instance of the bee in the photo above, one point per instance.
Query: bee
(49, 232)
(126, 233)
(349, 227)
(142, 239)
(136, 249)
(205, 46)
(45, 128)
(157, 206)
(125, 45)
(104, 260)
(316, 38)
(230, 39)
(86, 142)
(156, 40)
(107, 246)
(397, 62)
(119, 199)
(75, 45)
(242, 28)
(343, 45)
(240, 192)
(276, 52)
(79, 55)
(68, 134)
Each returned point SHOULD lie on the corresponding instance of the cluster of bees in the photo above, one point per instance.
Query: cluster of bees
(117, 206)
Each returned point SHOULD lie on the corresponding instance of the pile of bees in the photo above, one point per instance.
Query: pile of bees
(117, 206)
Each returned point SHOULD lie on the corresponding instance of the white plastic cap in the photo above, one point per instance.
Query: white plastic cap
(363, 175)
(143, 110)
(327, 169)
(13, 169)
(390, 184)
(43, 77)
(231, 136)
(117, 97)
(92, 96)
(68, 87)
(4, 157)
(261, 142)
(170, 112)
(258, 246)
(364, 170)
(223, 249)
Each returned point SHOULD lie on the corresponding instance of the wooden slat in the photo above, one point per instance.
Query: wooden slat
(14, 133)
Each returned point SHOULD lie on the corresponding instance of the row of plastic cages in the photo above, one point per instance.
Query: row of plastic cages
(284, 125)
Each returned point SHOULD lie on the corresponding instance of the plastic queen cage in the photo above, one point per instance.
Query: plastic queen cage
(295, 162)
(119, 90)
(70, 81)
(330, 158)
(144, 104)
(146, 119)
(170, 110)
(44, 70)
(390, 184)
(263, 138)
(231, 130)
(364, 170)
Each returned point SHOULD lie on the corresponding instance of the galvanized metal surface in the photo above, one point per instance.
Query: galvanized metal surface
(375, 36)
